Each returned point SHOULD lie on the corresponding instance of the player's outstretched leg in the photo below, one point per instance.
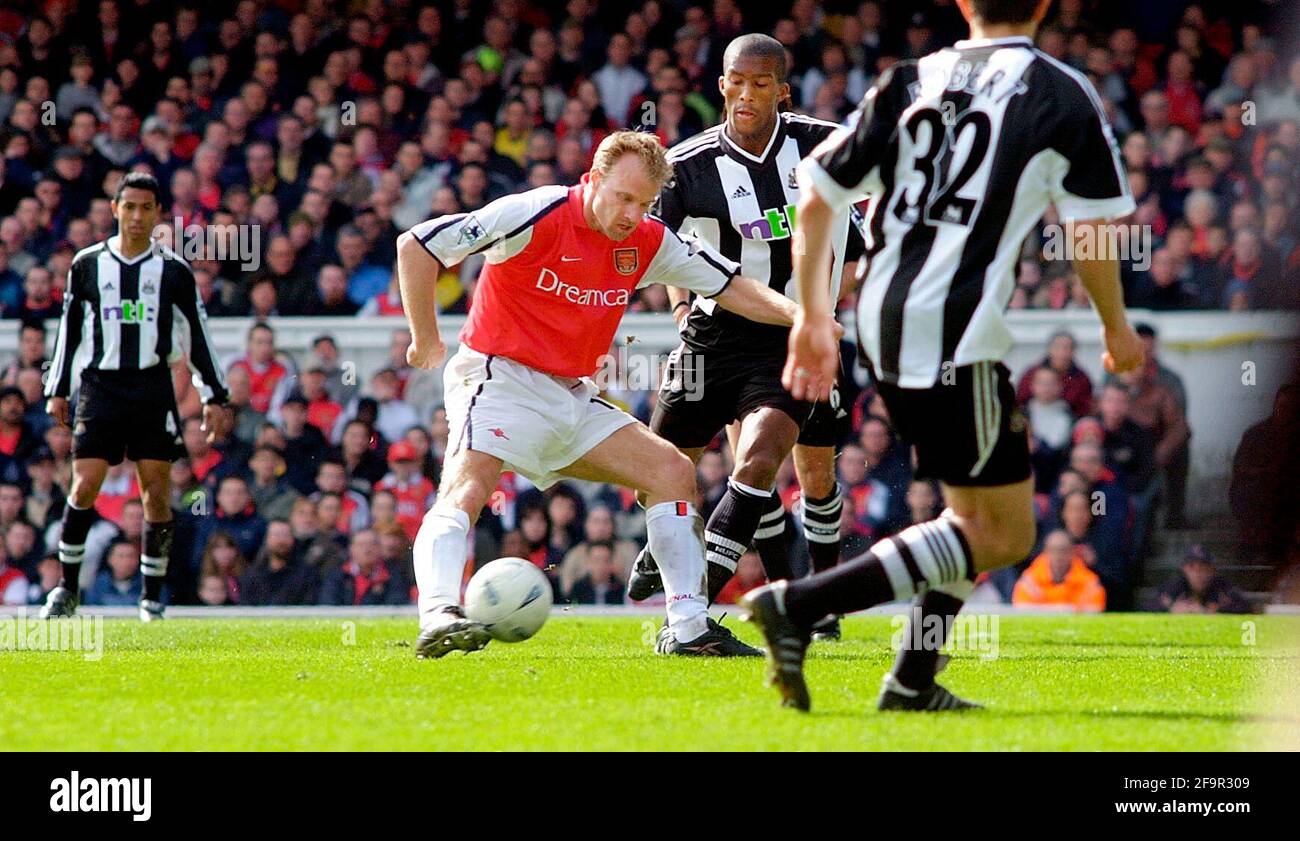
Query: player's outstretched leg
(989, 527)
(637, 458)
(910, 685)
(440, 552)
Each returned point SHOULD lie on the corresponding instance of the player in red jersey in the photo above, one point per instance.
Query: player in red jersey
(562, 264)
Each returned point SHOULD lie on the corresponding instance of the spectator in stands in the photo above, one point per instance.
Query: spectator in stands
(923, 501)
(393, 415)
(1059, 578)
(564, 513)
(889, 473)
(600, 582)
(353, 512)
(318, 548)
(412, 492)
(223, 560)
(322, 411)
(305, 447)
(13, 581)
(332, 293)
(1129, 451)
(1076, 387)
(119, 584)
(31, 352)
(273, 496)
(48, 574)
(17, 438)
(247, 419)
(358, 452)
(1051, 423)
(365, 578)
(597, 529)
(236, 516)
(265, 371)
(535, 529)
(1108, 506)
(1155, 408)
(1199, 588)
(45, 499)
(277, 577)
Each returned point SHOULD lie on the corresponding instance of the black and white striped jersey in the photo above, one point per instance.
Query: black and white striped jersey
(744, 206)
(133, 315)
(960, 153)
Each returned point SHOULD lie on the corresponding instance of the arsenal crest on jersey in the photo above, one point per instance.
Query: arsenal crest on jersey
(625, 260)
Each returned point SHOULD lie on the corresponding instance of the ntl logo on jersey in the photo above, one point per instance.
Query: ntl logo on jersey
(777, 223)
(130, 312)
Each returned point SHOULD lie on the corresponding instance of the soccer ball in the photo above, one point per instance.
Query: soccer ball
(511, 597)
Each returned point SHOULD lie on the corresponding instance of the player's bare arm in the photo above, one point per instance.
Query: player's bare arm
(417, 270)
(679, 301)
(814, 346)
(1101, 279)
(757, 302)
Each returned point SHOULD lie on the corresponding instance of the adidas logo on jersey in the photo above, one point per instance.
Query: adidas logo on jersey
(740, 193)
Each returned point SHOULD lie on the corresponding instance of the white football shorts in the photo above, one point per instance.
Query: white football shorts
(536, 423)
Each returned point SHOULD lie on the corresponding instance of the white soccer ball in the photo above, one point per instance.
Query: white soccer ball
(511, 597)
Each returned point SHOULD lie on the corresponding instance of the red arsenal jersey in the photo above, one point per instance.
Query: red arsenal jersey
(553, 290)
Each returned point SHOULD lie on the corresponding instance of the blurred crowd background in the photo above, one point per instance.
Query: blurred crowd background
(333, 126)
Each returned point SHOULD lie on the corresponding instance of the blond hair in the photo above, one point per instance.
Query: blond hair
(644, 146)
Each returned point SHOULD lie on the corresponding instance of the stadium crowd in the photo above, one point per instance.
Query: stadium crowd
(331, 127)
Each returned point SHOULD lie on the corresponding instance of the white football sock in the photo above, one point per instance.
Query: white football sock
(679, 550)
(440, 552)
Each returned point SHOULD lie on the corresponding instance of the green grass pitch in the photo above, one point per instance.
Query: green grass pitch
(591, 683)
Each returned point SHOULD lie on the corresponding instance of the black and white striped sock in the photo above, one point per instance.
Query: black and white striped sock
(917, 661)
(154, 555)
(821, 528)
(912, 562)
(730, 528)
(72, 543)
(770, 541)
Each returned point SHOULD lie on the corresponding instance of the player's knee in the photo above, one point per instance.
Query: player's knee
(1011, 540)
(83, 493)
(819, 485)
(758, 468)
(676, 479)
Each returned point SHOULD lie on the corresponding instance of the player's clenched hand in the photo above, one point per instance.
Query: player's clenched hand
(214, 422)
(813, 359)
(426, 354)
(1123, 350)
(57, 408)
